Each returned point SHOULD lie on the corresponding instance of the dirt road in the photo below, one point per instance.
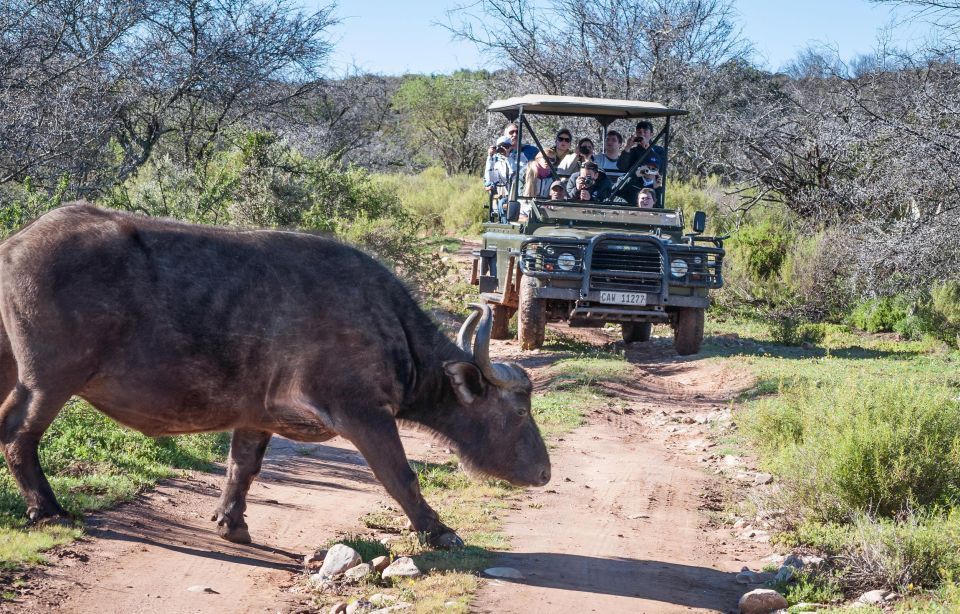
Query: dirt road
(620, 528)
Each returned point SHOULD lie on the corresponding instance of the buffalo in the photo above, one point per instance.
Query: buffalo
(172, 328)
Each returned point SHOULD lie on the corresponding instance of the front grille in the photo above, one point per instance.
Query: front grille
(626, 266)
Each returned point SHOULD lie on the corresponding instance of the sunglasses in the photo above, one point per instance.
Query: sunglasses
(565, 139)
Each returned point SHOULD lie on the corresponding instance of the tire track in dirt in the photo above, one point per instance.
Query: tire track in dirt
(619, 529)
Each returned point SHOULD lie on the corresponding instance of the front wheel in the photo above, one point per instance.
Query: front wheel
(688, 331)
(636, 331)
(531, 317)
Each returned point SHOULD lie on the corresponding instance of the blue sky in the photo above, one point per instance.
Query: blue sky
(395, 38)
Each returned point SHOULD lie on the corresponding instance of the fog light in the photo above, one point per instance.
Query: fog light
(678, 267)
(566, 261)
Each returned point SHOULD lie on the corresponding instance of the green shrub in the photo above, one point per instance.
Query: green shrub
(945, 312)
(878, 445)
(881, 315)
(786, 329)
(446, 203)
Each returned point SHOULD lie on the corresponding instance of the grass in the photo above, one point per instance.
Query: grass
(451, 204)
(93, 463)
(863, 435)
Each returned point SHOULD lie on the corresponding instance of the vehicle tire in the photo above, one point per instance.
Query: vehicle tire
(688, 331)
(636, 331)
(531, 317)
(501, 322)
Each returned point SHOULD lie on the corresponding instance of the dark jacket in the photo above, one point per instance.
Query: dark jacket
(599, 191)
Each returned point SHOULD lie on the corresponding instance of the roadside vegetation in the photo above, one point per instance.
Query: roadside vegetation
(862, 434)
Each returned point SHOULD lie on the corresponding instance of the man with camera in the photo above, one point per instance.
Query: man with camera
(648, 177)
(590, 184)
(638, 145)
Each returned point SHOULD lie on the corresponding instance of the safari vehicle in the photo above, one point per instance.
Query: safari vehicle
(592, 263)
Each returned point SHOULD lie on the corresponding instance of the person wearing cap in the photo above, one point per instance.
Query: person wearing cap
(558, 190)
(590, 184)
(648, 178)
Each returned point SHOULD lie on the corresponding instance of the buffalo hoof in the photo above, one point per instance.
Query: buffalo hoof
(237, 535)
(446, 541)
(49, 519)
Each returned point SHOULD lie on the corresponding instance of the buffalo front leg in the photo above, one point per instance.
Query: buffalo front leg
(378, 440)
(246, 454)
(24, 416)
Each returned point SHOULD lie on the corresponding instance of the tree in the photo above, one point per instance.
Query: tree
(443, 116)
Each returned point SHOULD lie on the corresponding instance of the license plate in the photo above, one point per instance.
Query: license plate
(623, 298)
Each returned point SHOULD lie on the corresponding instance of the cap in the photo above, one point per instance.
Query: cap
(651, 160)
(557, 184)
(504, 140)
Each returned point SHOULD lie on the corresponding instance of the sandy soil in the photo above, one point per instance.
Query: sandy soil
(622, 527)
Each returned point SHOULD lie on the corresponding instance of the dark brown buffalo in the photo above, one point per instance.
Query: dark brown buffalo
(172, 328)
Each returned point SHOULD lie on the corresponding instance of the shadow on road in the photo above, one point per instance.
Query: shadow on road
(683, 585)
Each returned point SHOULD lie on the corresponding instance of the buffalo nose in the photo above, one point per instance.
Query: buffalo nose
(544, 477)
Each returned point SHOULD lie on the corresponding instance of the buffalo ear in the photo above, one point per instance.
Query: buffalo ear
(466, 380)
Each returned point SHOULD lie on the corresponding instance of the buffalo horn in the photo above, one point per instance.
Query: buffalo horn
(466, 330)
(497, 374)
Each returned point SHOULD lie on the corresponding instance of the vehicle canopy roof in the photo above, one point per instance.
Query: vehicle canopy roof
(603, 109)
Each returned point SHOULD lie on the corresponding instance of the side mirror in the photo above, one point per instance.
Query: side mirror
(699, 222)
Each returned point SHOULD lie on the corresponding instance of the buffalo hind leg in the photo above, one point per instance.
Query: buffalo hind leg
(24, 416)
(246, 455)
(378, 440)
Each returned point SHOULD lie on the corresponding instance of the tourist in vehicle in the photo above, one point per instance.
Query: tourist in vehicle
(527, 151)
(562, 143)
(571, 164)
(498, 174)
(539, 174)
(589, 184)
(558, 190)
(638, 145)
(607, 161)
(648, 177)
(646, 199)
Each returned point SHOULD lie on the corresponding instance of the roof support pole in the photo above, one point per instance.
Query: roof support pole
(533, 135)
(515, 192)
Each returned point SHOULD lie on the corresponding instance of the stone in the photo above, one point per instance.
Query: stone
(784, 574)
(358, 605)
(339, 559)
(403, 567)
(794, 561)
(746, 576)
(504, 572)
(315, 559)
(359, 572)
(338, 608)
(380, 563)
(891, 597)
(202, 589)
(382, 599)
(872, 597)
(762, 601)
(762, 478)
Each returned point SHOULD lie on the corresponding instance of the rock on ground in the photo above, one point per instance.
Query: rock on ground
(380, 563)
(403, 567)
(872, 597)
(762, 601)
(339, 559)
(359, 572)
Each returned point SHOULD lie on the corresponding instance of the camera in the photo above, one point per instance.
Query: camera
(585, 150)
(650, 172)
(586, 182)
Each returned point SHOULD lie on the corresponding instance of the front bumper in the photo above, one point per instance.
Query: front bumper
(624, 263)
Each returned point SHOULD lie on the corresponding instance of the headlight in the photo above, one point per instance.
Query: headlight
(678, 267)
(566, 261)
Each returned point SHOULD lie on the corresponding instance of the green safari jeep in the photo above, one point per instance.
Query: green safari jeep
(591, 263)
